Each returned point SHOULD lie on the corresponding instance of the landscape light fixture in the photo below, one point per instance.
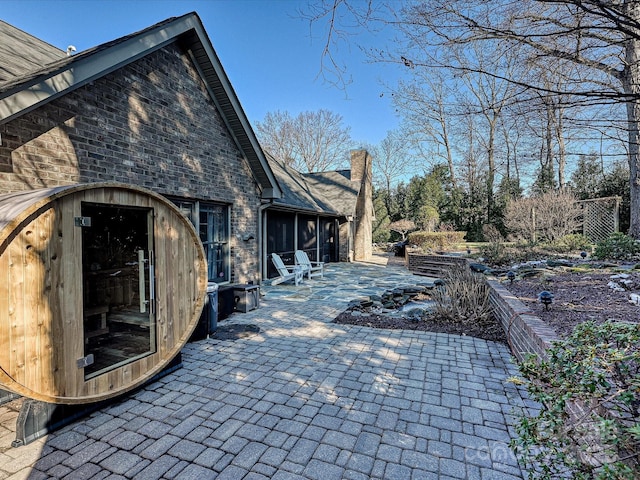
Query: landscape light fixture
(511, 275)
(546, 298)
(583, 255)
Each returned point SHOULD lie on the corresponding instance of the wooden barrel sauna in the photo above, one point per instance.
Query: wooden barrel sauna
(101, 285)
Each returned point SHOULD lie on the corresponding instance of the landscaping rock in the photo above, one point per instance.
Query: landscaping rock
(480, 268)
(560, 263)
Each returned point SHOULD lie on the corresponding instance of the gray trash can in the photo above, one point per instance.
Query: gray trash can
(212, 305)
(208, 322)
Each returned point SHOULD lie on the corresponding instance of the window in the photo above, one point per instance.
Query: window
(212, 223)
(214, 234)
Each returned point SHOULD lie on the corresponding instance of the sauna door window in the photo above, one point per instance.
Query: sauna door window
(118, 285)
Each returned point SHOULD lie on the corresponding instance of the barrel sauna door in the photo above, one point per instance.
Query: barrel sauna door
(118, 286)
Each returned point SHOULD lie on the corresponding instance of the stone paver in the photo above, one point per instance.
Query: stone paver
(303, 398)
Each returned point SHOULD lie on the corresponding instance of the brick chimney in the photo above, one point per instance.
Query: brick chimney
(362, 174)
(360, 165)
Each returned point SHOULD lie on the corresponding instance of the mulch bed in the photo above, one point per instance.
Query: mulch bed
(490, 330)
(578, 297)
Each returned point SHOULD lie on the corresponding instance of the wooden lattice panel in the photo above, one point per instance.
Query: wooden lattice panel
(600, 217)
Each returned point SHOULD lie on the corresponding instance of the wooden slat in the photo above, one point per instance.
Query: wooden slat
(19, 313)
(71, 378)
(56, 298)
(5, 312)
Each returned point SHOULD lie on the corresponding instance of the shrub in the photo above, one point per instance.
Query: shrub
(588, 389)
(464, 298)
(546, 217)
(498, 254)
(617, 247)
(495, 253)
(491, 233)
(436, 240)
(571, 243)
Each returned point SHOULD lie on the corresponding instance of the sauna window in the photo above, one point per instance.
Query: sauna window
(213, 227)
(118, 285)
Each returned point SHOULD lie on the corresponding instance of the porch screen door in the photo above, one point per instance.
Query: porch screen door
(118, 286)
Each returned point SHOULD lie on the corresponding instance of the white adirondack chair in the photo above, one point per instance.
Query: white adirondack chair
(286, 272)
(309, 268)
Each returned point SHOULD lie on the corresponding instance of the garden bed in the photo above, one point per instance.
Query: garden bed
(368, 314)
(579, 297)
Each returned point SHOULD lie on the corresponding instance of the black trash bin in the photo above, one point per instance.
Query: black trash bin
(208, 322)
(400, 248)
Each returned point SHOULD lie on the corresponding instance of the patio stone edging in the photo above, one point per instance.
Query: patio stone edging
(526, 332)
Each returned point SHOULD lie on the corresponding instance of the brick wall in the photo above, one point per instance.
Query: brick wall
(151, 124)
(526, 332)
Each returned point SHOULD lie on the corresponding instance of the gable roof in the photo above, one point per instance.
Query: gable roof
(297, 193)
(31, 88)
(22, 53)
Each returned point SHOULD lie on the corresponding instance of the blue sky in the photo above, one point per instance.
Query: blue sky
(265, 47)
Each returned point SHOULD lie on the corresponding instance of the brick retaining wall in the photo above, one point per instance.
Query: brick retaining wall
(526, 332)
(431, 265)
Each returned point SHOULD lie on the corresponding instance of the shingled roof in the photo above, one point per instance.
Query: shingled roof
(297, 193)
(337, 187)
(21, 53)
(28, 84)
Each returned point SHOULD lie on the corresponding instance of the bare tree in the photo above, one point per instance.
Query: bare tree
(309, 142)
(274, 133)
(392, 159)
(427, 116)
(600, 38)
(487, 97)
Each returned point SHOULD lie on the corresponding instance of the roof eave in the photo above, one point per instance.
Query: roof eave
(296, 209)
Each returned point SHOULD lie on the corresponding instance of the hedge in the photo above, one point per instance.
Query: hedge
(435, 240)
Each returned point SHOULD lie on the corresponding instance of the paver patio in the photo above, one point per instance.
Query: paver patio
(301, 398)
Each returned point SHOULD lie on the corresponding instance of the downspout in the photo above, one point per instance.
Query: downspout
(318, 238)
(261, 247)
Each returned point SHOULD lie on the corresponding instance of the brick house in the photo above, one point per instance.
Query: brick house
(130, 178)
(327, 214)
(156, 109)
(153, 109)
(351, 191)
